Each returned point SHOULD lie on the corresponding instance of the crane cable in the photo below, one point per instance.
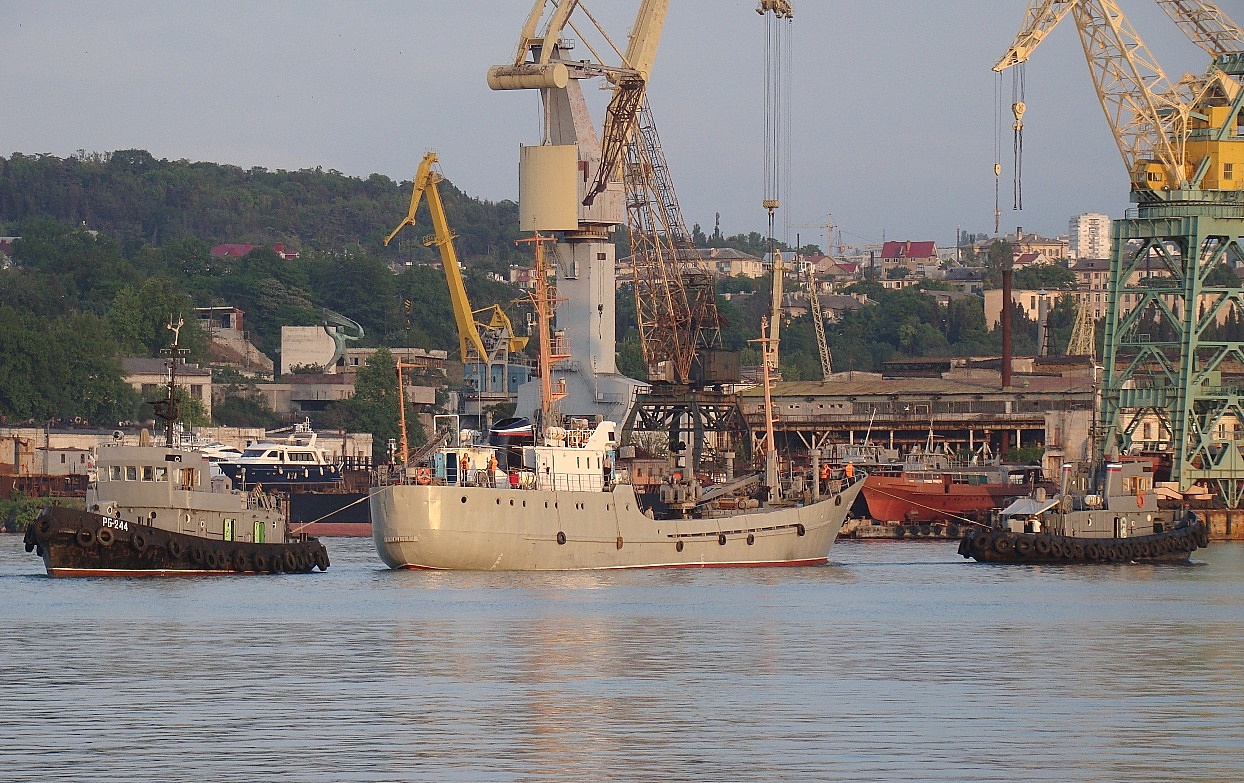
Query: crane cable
(997, 152)
(1017, 108)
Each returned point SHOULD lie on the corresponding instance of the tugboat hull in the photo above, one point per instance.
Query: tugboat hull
(82, 543)
(998, 546)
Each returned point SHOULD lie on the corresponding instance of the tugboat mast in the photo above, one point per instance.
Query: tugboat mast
(168, 410)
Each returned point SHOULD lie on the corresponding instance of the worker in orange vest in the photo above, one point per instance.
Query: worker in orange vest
(850, 471)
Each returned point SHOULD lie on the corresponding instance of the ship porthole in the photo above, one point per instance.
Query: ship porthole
(721, 539)
(837, 500)
(751, 539)
(619, 542)
(628, 506)
(511, 501)
(498, 501)
(464, 498)
(561, 537)
(678, 546)
(799, 529)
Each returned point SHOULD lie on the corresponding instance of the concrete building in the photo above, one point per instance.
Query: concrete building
(1089, 236)
(230, 344)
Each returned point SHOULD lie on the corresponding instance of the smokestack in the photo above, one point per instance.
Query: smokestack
(1006, 327)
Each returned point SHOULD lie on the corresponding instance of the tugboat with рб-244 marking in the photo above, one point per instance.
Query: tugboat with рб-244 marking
(159, 510)
(1107, 513)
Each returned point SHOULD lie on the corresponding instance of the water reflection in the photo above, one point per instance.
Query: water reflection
(899, 662)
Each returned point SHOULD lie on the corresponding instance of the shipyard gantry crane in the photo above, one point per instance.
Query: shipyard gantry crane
(1183, 145)
(486, 338)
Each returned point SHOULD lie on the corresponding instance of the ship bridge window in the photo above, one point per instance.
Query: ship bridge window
(131, 473)
(114, 472)
(161, 473)
(301, 456)
(148, 473)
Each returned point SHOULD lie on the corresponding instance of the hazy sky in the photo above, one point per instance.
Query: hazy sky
(893, 101)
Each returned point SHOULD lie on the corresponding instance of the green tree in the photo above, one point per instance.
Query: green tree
(374, 407)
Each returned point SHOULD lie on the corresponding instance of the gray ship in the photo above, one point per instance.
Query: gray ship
(563, 506)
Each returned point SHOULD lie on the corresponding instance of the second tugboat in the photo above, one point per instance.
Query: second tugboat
(159, 510)
(1105, 515)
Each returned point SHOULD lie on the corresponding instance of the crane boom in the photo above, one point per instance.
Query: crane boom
(818, 324)
(628, 92)
(470, 341)
(1205, 25)
(1157, 125)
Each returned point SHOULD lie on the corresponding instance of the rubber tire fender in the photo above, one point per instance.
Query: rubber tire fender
(85, 537)
(1043, 547)
(104, 537)
(1005, 544)
(981, 542)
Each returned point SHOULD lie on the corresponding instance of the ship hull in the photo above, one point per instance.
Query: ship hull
(455, 528)
(330, 514)
(897, 499)
(82, 543)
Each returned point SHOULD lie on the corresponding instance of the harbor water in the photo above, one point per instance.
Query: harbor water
(898, 662)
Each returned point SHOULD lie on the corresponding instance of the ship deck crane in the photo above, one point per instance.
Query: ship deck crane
(1183, 146)
(485, 340)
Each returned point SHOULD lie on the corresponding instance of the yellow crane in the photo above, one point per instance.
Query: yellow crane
(1175, 138)
(479, 340)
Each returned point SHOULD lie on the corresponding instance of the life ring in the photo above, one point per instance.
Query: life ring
(139, 542)
(751, 539)
(423, 476)
(104, 537)
(86, 537)
(561, 538)
(677, 546)
(721, 538)
(1140, 499)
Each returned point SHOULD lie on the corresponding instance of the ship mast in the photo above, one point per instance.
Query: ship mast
(771, 457)
(543, 298)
